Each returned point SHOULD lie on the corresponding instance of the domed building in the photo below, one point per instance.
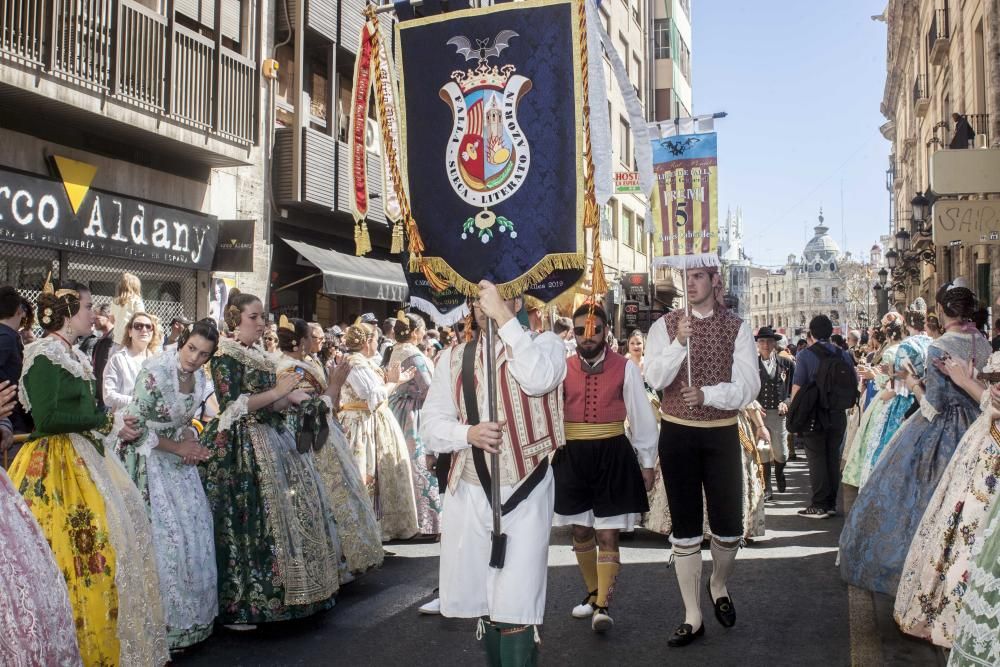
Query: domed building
(808, 285)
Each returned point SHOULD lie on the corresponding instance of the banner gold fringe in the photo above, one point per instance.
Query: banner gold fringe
(508, 290)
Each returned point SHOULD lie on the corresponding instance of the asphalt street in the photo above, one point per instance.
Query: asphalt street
(792, 607)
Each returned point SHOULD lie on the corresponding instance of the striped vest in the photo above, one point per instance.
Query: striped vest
(534, 426)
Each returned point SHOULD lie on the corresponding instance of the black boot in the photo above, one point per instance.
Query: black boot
(779, 476)
(767, 482)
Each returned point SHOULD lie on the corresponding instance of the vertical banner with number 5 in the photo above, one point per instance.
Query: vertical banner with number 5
(685, 201)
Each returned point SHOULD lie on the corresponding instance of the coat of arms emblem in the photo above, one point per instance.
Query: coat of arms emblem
(488, 156)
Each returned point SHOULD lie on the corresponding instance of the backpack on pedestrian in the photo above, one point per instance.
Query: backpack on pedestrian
(834, 388)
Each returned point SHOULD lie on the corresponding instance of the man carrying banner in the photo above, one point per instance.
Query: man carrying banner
(509, 601)
(600, 488)
(706, 365)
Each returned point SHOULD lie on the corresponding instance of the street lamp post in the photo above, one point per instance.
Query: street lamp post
(882, 291)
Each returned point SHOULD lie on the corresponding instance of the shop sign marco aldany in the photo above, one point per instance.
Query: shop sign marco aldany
(39, 211)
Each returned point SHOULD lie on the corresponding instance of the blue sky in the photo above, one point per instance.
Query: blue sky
(802, 83)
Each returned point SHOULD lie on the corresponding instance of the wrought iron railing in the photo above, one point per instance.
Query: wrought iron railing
(939, 28)
(919, 88)
(980, 123)
(131, 53)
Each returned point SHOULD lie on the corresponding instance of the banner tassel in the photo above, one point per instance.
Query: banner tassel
(358, 250)
(397, 238)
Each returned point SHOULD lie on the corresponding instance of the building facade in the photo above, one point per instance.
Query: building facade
(813, 283)
(626, 249)
(131, 132)
(670, 38)
(736, 266)
(937, 66)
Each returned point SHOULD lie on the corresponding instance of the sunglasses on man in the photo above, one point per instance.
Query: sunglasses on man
(580, 331)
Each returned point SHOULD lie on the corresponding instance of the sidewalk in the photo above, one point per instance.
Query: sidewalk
(875, 637)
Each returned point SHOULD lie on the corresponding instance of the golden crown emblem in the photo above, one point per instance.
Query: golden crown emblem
(483, 76)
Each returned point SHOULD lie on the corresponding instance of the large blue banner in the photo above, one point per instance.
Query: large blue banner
(491, 111)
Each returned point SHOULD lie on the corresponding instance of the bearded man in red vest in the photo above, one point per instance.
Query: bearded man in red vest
(706, 365)
(509, 601)
(601, 483)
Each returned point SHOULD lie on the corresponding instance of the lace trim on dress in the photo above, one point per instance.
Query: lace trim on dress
(141, 628)
(927, 410)
(402, 352)
(233, 412)
(253, 357)
(72, 360)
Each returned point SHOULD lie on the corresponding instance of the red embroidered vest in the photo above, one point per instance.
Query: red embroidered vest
(595, 398)
(534, 423)
(713, 343)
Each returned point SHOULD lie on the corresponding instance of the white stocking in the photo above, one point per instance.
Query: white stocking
(723, 562)
(687, 563)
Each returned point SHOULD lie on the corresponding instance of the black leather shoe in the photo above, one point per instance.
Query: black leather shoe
(725, 611)
(684, 635)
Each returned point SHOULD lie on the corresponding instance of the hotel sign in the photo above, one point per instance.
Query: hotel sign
(37, 211)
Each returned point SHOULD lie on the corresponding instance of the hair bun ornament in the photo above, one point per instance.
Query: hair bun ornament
(284, 323)
(401, 314)
(919, 305)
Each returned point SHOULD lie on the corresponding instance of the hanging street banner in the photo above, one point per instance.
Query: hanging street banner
(492, 137)
(685, 200)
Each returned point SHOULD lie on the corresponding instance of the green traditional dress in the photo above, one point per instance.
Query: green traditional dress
(276, 542)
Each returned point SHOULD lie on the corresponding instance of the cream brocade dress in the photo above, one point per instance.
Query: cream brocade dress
(379, 448)
(357, 526)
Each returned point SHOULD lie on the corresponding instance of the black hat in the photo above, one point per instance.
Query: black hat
(766, 332)
(180, 319)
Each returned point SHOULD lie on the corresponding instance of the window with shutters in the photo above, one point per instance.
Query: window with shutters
(235, 24)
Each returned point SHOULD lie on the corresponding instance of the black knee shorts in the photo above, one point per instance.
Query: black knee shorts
(694, 458)
(599, 475)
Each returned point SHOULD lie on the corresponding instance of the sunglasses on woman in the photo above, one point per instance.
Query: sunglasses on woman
(142, 326)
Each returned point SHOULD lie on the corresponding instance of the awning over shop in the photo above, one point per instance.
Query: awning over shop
(347, 275)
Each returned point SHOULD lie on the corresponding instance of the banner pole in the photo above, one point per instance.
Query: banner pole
(491, 397)
(687, 313)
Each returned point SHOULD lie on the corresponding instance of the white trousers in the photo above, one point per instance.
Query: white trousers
(469, 587)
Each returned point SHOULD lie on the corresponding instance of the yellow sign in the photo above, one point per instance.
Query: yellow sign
(76, 177)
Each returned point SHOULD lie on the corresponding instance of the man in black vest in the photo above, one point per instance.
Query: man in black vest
(776, 372)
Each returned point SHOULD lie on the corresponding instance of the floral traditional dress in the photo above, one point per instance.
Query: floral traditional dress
(360, 536)
(275, 538)
(936, 573)
(890, 506)
(405, 402)
(977, 636)
(912, 352)
(379, 448)
(36, 620)
(89, 510)
(872, 424)
(183, 532)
